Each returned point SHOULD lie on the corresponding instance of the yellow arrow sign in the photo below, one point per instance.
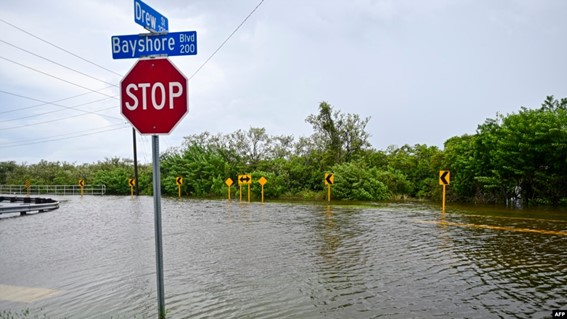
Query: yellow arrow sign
(444, 177)
(329, 179)
(132, 182)
(244, 179)
(81, 182)
(179, 180)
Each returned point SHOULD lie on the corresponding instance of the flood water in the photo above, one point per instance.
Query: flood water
(285, 260)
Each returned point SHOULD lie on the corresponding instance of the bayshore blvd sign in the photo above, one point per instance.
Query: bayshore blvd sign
(154, 44)
(154, 96)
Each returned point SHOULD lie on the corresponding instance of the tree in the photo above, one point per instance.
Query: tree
(341, 136)
(6, 171)
(531, 153)
(513, 158)
(459, 152)
(203, 169)
(420, 164)
(353, 181)
(115, 172)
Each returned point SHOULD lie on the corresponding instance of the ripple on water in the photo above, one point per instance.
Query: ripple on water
(231, 260)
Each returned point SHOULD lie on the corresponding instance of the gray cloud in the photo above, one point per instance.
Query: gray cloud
(423, 70)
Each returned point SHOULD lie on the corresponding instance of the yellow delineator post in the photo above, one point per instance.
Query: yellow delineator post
(244, 179)
(132, 183)
(443, 206)
(262, 182)
(28, 186)
(444, 179)
(229, 183)
(179, 182)
(81, 185)
(329, 180)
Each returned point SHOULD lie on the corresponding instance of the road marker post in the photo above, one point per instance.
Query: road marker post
(179, 182)
(244, 179)
(81, 185)
(228, 183)
(28, 186)
(444, 180)
(329, 180)
(132, 183)
(262, 182)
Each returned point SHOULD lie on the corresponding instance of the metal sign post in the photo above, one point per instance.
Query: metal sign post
(144, 92)
(157, 224)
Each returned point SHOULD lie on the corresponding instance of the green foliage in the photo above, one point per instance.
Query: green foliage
(7, 170)
(397, 184)
(114, 173)
(341, 137)
(420, 164)
(354, 182)
(203, 170)
(518, 157)
(274, 187)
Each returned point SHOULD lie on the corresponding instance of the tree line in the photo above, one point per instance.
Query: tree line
(520, 158)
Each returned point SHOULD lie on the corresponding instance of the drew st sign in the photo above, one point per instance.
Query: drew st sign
(149, 18)
(154, 96)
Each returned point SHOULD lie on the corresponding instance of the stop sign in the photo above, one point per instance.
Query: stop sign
(153, 96)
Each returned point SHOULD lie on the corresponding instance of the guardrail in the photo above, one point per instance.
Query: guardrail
(52, 189)
(24, 205)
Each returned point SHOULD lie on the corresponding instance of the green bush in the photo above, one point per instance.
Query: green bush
(354, 182)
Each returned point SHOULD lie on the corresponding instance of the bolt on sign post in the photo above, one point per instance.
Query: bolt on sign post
(179, 182)
(131, 183)
(444, 179)
(262, 182)
(228, 183)
(329, 180)
(81, 185)
(246, 180)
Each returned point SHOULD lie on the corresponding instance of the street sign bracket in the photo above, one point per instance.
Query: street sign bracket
(149, 34)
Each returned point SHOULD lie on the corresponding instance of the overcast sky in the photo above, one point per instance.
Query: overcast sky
(424, 71)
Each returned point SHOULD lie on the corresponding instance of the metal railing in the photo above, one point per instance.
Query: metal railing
(53, 189)
(24, 205)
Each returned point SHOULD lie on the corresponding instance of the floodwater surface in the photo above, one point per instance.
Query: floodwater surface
(95, 258)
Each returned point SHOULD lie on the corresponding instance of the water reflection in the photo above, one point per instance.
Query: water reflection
(238, 260)
(510, 261)
(341, 262)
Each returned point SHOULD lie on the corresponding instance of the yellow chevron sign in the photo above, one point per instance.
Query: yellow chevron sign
(444, 177)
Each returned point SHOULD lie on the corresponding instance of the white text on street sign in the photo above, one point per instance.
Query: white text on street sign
(145, 45)
(153, 96)
(149, 18)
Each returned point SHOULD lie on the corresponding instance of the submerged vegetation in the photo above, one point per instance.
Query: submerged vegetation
(517, 158)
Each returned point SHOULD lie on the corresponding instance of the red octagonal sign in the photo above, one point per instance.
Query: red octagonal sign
(153, 96)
